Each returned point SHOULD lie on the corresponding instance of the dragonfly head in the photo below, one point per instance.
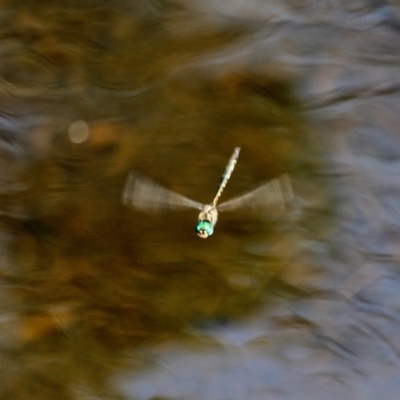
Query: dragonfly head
(204, 228)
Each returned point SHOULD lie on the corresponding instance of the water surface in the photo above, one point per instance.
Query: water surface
(101, 301)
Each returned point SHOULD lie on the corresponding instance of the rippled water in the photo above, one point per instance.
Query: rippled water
(104, 302)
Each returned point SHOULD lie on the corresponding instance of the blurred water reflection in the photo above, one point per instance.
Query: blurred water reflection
(99, 301)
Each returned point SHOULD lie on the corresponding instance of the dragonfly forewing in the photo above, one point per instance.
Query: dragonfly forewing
(143, 194)
(271, 197)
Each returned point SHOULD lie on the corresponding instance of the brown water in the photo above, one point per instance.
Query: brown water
(99, 301)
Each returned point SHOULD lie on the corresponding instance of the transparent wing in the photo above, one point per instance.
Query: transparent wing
(273, 197)
(143, 194)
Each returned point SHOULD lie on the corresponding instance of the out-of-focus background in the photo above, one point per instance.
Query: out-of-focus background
(99, 301)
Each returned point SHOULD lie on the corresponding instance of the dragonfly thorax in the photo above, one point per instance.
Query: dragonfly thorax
(207, 219)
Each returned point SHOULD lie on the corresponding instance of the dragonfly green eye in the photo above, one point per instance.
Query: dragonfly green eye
(204, 229)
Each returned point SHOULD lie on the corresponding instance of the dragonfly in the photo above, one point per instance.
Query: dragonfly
(141, 193)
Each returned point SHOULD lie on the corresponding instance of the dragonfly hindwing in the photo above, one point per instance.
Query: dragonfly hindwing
(144, 194)
(272, 197)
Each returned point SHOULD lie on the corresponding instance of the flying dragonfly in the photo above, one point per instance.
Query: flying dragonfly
(143, 194)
